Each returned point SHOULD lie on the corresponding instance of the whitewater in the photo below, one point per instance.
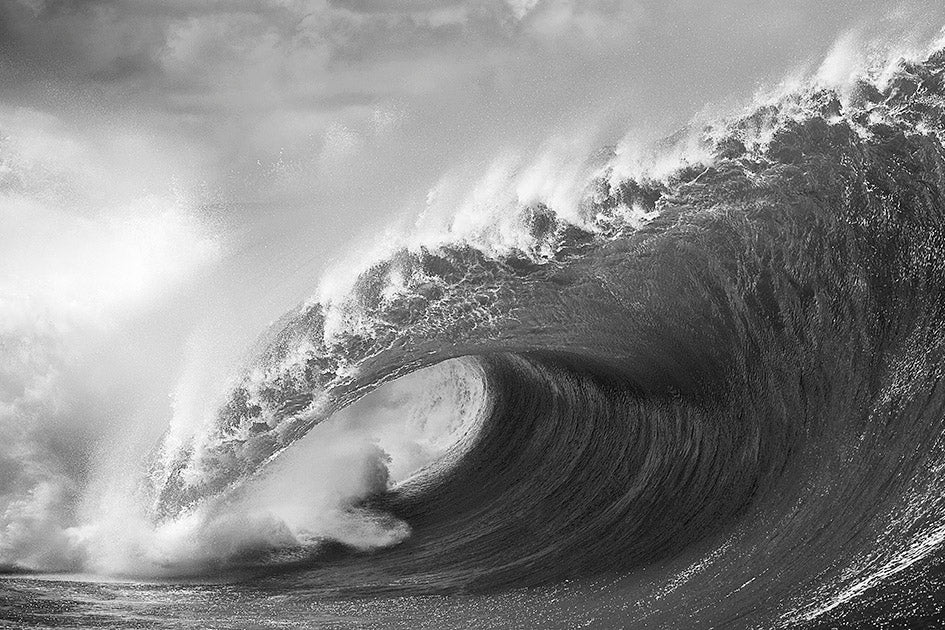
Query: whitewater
(693, 384)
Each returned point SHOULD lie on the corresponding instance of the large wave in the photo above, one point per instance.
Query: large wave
(742, 354)
(720, 380)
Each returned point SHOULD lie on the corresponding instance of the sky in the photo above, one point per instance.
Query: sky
(356, 108)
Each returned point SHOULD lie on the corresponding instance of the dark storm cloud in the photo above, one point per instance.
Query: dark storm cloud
(178, 43)
(77, 40)
(107, 40)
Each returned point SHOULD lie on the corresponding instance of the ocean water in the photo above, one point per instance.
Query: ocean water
(711, 397)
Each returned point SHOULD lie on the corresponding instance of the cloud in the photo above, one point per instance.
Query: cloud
(521, 8)
(88, 40)
(395, 6)
(122, 40)
(588, 22)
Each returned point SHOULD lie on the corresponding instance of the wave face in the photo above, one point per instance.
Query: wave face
(720, 396)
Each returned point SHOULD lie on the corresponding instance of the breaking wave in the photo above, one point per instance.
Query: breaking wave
(730, 369)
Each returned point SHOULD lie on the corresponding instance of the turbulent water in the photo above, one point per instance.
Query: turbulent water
(713, 399)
